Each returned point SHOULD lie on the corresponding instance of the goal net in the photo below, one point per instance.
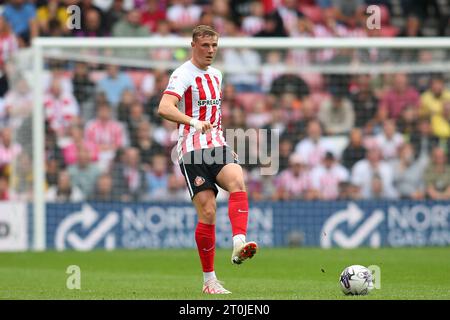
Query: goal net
(96, 141)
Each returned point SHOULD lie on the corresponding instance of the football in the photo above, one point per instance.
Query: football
(356, 280)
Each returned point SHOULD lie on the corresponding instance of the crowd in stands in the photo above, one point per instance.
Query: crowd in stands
(359, 136)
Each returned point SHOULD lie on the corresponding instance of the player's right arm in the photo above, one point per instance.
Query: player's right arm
(168, 110)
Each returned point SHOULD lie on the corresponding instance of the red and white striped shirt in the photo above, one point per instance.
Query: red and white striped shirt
(9, 153)
(108, 133)
(60, 111)
(200, 96)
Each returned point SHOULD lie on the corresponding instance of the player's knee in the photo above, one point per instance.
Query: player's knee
(236, 185)
(208, 212)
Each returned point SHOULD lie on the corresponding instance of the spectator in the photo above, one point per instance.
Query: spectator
(52, 11)
(243, 77)
(349, 191)
(176, 189)
(408, 173)
(295, 182)
(151, 15)
(399, 97)
(289, 14)
(272, 27)
(114, 14)
(21, 16)
(91, 25)
(22, 179)
(336, 114)
(407, 123)
(327, 177)
(412, 28)
(18, 103)
(313, 147)
(152, 102)
(129, 178)
(146, 146)
(64, 191)
(61, 108)
(183, 15)
(8, 42)
(218, 14)
(364, 101)
(52, 149)
(87, 7)
(52, 169)
(84, 173)
(158, 177)
(58, 70)
(355, 150)
(289, 83)
(137, 116)
(261, 187)
(124, 109)
(259, 115)
(423, 139)
(432, 100)
(70, 151)
(107, 134)
(373, 176)
(83, 90)
(437, 176)
(104, 191)
(296, 129)
(164, 54)
(286, 148)
(131, 26)
(330, 28)
(254, 23)
(114, 84)
(272, 68)
(165, 134)
(389, 140)
(349, 12)
(9, 151)
(440, 124)
(5, 191)
(230, 102)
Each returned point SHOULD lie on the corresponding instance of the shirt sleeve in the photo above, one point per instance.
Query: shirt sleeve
(177, 85)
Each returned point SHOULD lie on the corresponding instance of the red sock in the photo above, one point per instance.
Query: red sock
(205, 237)
(238, 212)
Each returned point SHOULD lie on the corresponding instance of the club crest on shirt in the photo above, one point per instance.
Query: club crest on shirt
(199, 181)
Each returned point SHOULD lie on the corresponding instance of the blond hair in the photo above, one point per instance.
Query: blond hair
(202, 31)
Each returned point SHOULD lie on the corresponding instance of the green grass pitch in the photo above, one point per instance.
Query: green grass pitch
(274, 273)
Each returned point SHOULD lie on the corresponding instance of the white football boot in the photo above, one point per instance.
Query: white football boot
(243, 251)
(214, 286)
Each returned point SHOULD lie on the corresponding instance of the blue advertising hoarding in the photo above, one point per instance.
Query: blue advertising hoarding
(87, 226)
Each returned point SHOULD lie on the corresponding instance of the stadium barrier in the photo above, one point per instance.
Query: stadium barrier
(87, 226)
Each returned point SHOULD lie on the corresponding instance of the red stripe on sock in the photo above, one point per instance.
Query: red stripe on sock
(205, 237)
(238, 212)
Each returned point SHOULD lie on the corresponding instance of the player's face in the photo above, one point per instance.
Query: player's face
(204, 50)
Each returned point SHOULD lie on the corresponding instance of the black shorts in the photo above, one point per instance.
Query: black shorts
(200, 168)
